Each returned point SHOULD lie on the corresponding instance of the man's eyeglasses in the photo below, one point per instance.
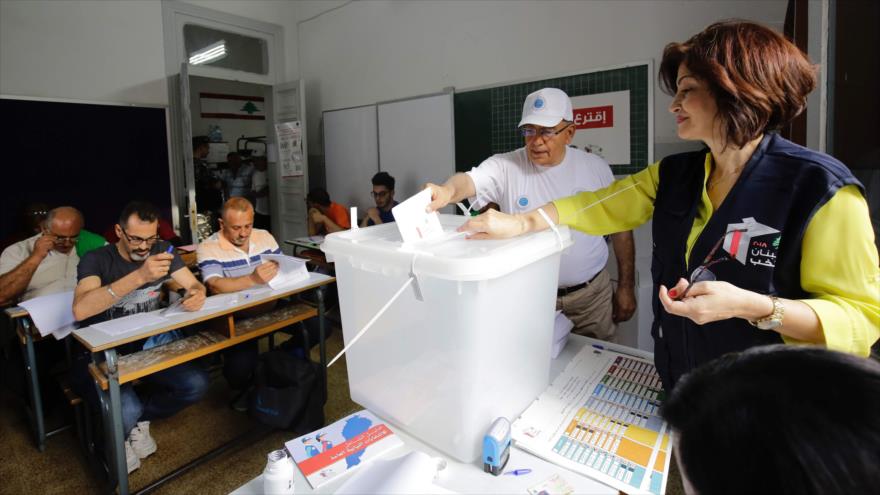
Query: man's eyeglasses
(546, 133)
(60, 239)
(702, 272)
(137, 241)
(380, 194)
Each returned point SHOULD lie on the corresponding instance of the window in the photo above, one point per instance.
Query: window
(223, 49)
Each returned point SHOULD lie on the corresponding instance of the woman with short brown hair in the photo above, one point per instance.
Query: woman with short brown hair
(758, 240)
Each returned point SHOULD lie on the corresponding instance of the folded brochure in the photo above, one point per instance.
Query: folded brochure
(341, 447)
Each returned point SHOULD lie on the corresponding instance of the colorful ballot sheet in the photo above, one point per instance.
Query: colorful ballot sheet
(601, 418)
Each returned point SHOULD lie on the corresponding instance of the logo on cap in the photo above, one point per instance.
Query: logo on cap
(539, 103)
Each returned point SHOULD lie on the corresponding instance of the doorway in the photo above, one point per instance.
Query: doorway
(230, 122)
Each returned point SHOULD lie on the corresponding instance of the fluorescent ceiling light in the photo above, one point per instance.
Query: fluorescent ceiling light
(210, 53)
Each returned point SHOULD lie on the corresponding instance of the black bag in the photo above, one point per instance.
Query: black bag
(288, 392)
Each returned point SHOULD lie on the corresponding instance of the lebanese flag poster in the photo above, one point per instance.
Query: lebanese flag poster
(223, 106)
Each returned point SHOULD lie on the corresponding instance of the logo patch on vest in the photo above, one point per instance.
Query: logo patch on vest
(752, 243)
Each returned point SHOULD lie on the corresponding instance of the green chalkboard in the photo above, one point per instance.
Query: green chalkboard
(485, 119)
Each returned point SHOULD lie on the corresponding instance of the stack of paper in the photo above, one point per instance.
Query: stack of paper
(561, 330)
(52, 314)
(290, 270)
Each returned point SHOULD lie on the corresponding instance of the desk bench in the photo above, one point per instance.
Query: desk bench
(142, 363)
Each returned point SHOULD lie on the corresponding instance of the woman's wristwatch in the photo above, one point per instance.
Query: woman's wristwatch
(774, 319)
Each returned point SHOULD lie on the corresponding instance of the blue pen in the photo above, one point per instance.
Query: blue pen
(170, 249)
(519, 472)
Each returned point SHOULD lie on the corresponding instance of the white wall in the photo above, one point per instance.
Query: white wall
(371, 51)
(105, 50)
(83, 50)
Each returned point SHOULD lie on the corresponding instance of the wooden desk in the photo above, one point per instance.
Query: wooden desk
(311, 250)
(110, 371)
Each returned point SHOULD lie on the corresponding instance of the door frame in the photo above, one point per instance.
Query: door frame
(174, 16)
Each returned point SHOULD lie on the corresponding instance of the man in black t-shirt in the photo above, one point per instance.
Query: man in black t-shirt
(123, 279)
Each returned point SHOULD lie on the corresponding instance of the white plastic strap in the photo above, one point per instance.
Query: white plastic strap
(555, 230)
(373, 320)
(464, 209)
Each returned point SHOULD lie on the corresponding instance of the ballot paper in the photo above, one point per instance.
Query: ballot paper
(126, 324)
(415, 224)
(52, 314)
(290, 269)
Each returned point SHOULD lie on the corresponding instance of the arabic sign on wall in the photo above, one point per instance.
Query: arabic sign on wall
(223, 106)
(602, 122)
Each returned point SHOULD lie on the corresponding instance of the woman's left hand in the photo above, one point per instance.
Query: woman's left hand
(706, 301)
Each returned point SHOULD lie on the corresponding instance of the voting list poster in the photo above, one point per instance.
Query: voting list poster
(600, 417)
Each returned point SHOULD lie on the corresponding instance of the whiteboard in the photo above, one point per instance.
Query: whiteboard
(416, 142)
(351, 155)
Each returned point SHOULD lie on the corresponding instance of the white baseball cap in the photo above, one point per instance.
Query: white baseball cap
(546, 108)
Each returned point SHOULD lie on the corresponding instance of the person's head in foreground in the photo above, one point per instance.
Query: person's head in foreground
(778, 419)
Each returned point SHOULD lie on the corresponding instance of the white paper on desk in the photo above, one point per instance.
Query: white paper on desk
(219, 301)
(290, 269)
(413, 222)
(129, 323)
(52, 314)
(412, 473)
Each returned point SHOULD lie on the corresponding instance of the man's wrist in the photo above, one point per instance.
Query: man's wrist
(37, 256)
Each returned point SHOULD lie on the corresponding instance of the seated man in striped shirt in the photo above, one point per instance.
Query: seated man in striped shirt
(230, 261)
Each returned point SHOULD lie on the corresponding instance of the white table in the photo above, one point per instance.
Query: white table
(469, 478)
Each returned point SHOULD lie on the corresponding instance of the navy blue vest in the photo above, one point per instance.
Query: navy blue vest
(780, 189)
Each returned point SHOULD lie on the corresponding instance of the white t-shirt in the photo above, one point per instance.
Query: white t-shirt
(258, 181)
(56, 273)
(518, 185)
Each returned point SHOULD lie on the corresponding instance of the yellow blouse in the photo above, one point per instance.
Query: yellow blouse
(842, 277)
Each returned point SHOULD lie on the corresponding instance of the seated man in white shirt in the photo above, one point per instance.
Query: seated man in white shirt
(546, 168)
(230, 261)
(45, 263)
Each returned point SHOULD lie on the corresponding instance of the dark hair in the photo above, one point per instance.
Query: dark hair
(319, 196)
(198, 141)
(759, 79)
(779, 419)
(144, 210)
(384, 179)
